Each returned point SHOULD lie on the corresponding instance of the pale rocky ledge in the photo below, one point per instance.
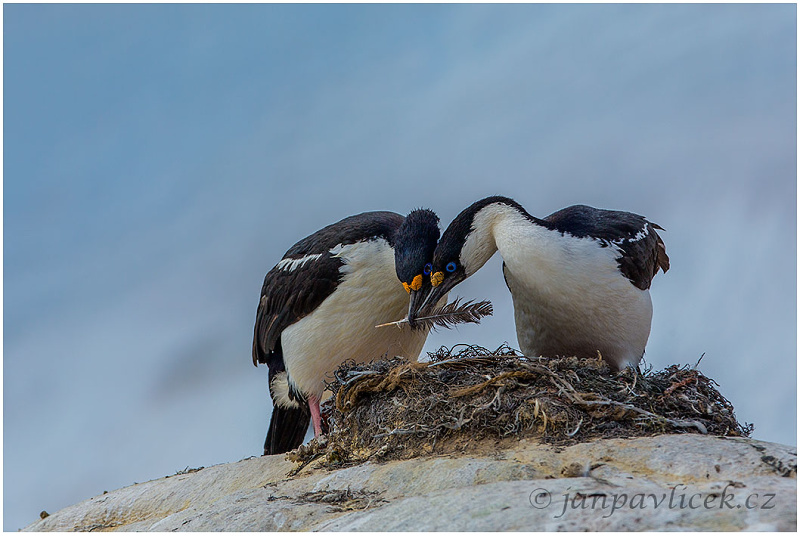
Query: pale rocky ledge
(666, 482)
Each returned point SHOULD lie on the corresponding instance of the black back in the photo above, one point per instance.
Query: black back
(642, 250)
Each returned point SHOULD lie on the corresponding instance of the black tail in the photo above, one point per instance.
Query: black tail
(287, 429)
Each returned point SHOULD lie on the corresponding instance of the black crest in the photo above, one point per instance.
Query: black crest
(415, 242)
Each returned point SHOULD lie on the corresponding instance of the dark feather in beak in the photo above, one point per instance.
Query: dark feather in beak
(427, 297)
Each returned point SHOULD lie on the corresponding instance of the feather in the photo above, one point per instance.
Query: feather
(450, 314)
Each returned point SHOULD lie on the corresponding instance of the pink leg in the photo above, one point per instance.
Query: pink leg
(316, 418)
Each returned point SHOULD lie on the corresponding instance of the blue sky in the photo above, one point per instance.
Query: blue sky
(159, 159)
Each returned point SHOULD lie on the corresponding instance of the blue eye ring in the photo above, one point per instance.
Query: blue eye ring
(451, 267)
(428, 269)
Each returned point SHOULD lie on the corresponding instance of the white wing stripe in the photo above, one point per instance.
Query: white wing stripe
(290, 265)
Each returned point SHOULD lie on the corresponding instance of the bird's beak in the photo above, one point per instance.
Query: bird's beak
(414, 303)
(426, 299)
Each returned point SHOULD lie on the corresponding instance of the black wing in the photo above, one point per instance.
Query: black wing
(289, 295)
(643, 251)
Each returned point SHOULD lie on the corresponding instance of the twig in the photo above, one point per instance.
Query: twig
(395, 432)
(683, 383)
(698, 361)
(575, 397)
(354, 375)
(575, 431)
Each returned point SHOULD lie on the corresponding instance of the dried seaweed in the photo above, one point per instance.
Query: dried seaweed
(450, 314)
(343, 500)
(466, 394)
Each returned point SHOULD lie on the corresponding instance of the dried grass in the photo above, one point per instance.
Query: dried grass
(398, 409)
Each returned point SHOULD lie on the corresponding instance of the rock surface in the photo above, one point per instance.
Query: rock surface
(668, 482)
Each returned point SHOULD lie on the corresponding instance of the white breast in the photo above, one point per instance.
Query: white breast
(569, 296)
(343, 326)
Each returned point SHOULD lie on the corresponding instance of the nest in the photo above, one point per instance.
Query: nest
(396, 408)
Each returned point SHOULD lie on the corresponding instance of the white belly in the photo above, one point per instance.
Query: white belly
(343, 327)
(574, 301)
(615, 324)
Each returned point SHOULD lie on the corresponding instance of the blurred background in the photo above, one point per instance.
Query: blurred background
(159, 159)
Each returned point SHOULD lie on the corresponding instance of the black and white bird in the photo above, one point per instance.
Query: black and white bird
(320, 304)
(579, 278)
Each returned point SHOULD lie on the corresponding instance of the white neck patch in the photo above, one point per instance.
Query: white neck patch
(480, 243)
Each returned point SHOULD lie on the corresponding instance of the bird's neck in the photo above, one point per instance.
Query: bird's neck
(521, 238)
(493, 228)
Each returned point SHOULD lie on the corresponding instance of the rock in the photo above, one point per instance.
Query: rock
(668, 482)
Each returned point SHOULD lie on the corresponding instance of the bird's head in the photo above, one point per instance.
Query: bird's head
(466, 245)
(415, 243)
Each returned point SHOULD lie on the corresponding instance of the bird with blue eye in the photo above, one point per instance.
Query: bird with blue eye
(438, 277)
(418, 287)
(417, 281)
(416, 284)
(579, 278)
